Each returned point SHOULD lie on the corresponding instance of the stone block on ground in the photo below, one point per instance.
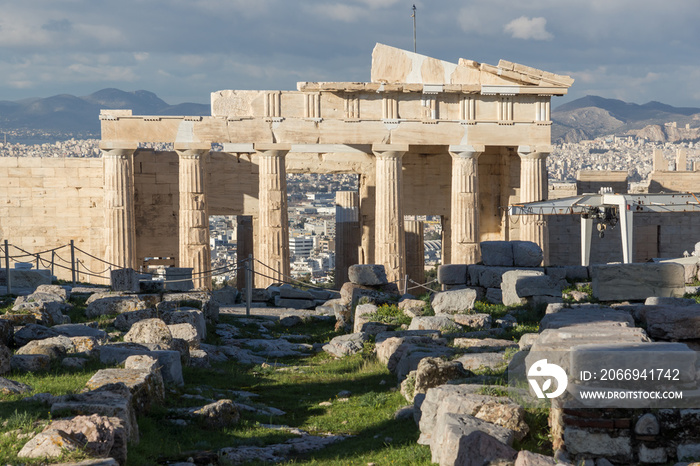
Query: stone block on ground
(149, 331)
(187, 316)
(178, 279)
(432, 372)
(454, 301)
(479, 345)
(509, 286)
(499, 253)
(170, 361)
(444, 323)
(125, 320)
(124, 280)
(480, 361)
(11, 387)
(528, 458)
(54, 347)
(7, 332)
(30, 362)
(412, 307)
(671, 322)
(587, 315)
(58, 290)
(294, 303)
(494, 295)
(360, 312)
(186, 332)
(452, 274)
(33, 332)
(620, 282)
(451, 428)
(526, 254)
(198, 299)
(586, 443)
(217, 415)
(80, 330)
(226, 296)
(51, 443)
(479, 448)
(350, 294)
(367, 274)
(97, 432)
(345, 345)
(106, 304)
(5, 356)
(146, 386)
(476, 321)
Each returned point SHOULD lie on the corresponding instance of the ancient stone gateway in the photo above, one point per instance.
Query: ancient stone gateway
(426, 137)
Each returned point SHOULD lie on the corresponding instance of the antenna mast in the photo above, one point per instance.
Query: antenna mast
(414, 27)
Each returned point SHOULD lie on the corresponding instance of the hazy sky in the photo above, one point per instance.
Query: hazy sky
(635, 50)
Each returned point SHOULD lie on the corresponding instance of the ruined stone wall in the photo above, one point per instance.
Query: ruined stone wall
(674, 182)
(655, 235)
(51, 201)
(426, 184)
(590, 181)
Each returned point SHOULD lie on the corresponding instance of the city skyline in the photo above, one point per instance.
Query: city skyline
(185, 50)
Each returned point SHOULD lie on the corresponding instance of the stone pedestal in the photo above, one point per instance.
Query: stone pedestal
(194, 248)
(244, 246)
(274, 224)
(464, 209)
(120, 232)
(415, 253)
(533, 188)
(347, 234)
(389, 247)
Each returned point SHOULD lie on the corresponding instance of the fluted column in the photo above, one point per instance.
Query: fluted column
(244, 245)
(464, 209)
(347, 234)
(120, 228)
(194, 248)
(274, 224)
(533, 188)
(390, 242)
(415, 251)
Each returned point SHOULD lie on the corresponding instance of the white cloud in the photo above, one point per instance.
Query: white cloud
(141, 56)
(528, 28)
(341, 12)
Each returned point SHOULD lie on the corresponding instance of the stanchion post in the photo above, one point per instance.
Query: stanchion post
(72, 261)
(53, 261)
(37, 261)
(248, 284)
(7, 268)
(405, 284)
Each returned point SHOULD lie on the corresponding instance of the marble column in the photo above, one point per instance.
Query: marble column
(244, 246)
(415, 252)
(464, 208)
(194, 250)
(347, 234)
(533, 188)
(120, 227)
(390, 242)
(274, 224)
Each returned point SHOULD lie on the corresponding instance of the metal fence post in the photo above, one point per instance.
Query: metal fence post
(248, 284)
(405, 284)
(53, 261)
(7, 268)
(72, 261)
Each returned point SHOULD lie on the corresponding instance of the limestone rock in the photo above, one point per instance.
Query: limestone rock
(474, 321)
(188, 316)
(528, 458)
(186, 332)
(582, 442)
(62, 292)
(443, 323)
(478, 361)
(169, 361)
(619, 282)
(345, 345)
(223, 413)
(96, 431)
(200, 300)
(451, 428)
(51, 443)
(146, 386)
(412, 307)
(478, 345)
(33, 332)
(479, 448)
(54, 347)
(30, 362)
(454, 301)
(367, 274)
(509, 288)
(125, 320)
(149, 331)
(350, 294)
(47, 308)
(452, 274)
(10, 387)
(360, 311)
(586, 315)
(124, 280)
(647, 424)
(294, 303)
(5, 356)
(7, 332)
(432, 372)
(80, 330)
(526, 254)
(105, 304)
(672, 322)
(499, 253)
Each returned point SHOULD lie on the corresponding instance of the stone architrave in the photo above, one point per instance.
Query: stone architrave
(347, 234)
(274, 230)
(120, 230)
(390, 242)
(194, 216)
(465, 204)
(533, 188)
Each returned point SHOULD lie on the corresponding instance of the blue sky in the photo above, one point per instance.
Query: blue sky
(634, 50)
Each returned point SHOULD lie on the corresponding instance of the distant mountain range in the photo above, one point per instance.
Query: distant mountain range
(584, 118)
(70, 114)
(592, 116)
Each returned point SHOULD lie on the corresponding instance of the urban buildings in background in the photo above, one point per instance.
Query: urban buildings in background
(311, 197)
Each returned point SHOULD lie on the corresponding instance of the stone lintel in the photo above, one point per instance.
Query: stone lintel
(192, 146)
(386, 149)
(456, 150)
(534, 152)
(118, 145)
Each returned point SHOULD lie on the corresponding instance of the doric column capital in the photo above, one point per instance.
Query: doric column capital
(192, 150)
(272, 150)
(117, 149)
(466, 152)
(534, 153)
(388, 151)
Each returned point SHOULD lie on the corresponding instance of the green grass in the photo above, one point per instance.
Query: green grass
(389, 314)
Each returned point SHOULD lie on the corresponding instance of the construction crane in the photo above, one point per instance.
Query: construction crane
(609, 209)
